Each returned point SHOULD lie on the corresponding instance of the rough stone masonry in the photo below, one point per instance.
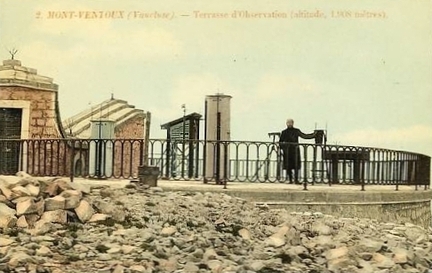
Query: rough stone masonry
(57, 226)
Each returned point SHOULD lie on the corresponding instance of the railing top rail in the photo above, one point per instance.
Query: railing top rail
(233, 142)
(196, 159)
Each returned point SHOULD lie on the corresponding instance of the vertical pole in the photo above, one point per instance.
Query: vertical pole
(205, 143)
(168, 154)
(305, 181)
(225, 164)
(425, 171)
(147, 140)
(183, 143)
(267, 162)
(191, 147)
(99, 151)
(417, 171)
(218, 137)
(197, 147)
(72, 167)
(314, 164)
(278, 160)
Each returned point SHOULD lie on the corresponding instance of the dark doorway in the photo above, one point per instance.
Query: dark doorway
(10, 128)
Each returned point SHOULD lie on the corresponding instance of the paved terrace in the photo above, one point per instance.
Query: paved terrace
(284, 192)
(180, 185)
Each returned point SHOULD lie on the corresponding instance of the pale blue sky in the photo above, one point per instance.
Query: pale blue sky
(369, 80)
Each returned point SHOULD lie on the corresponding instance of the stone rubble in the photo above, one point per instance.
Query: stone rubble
(55, 226)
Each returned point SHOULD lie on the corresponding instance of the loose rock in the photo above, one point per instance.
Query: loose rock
(151, 230)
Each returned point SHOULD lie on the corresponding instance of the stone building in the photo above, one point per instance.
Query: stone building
(34, 139)
(123, 128)
(28, 103)
(129, 121)
(29, 110)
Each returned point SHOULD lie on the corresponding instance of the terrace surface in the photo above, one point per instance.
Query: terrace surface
(274, 193)
(181, 185)
(284, 192)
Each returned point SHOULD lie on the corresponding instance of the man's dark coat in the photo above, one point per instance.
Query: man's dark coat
(290, 150)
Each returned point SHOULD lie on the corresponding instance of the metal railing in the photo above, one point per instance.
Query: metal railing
(214, 161)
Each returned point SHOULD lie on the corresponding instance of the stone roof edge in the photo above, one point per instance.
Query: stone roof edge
(39, 86)
(132, 114)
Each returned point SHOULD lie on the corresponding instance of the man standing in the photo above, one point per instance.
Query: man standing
(290, 150)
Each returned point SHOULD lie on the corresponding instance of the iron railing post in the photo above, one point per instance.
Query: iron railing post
(72, 156)
(225, 164)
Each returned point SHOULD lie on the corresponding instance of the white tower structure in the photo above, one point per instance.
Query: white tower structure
(101, 148)
(217, 128)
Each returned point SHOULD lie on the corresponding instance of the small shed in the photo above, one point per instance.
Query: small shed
(182, 151)
(189, 124)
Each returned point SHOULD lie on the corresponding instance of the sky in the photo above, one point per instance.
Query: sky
(367, 80)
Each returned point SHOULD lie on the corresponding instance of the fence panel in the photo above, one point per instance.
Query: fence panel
(213, 161)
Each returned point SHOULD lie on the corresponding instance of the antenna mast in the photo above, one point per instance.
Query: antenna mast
(12, 52)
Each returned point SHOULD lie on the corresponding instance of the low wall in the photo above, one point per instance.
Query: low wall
(382, 203)
(387, 206)
(416, 212)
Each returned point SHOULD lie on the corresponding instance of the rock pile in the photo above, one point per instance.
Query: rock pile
(155, 231)
(35, 204)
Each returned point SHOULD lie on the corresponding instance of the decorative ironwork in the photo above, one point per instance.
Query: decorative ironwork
(245, 161)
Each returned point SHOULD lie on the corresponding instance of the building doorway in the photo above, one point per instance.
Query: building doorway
(10, 128)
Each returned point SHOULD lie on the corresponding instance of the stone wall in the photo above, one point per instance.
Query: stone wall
(131, 129)
(128, 156)
(49, 158)
(408, 205)
(42, 119)
(39, 121)
(416, 212)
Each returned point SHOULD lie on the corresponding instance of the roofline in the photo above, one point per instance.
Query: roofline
(179, 120)
(131, 116)
(38, 86)
(94, 109)
(117, 122)
(219, 96)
